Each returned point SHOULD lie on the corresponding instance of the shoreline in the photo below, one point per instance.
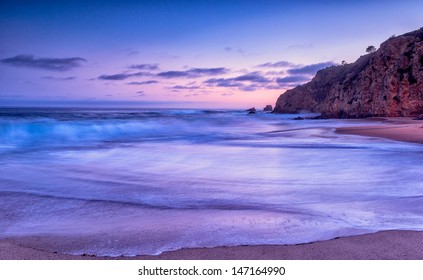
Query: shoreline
(397, 129)
(382, 245)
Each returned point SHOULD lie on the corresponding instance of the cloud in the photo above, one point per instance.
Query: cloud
(191, 95)
(184, 87)
(190, 73)
(248, 88)
(52, 64)
(58, 78)
(275, 73)
(310, 69)
(193, 72)
(150, 67)
(173, 74)
(227, 94)
(293, 79)
(297, 69)
(122, 76)
(223, 82)
(247, 82)
(279, 64)
(272, 87)
(254, 77)
(115, 77)
(149, 82)
(208, 71)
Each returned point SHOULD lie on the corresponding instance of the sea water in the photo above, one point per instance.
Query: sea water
(143, 181)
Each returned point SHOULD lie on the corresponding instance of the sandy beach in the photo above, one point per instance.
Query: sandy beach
(399, 129)
(385, 245)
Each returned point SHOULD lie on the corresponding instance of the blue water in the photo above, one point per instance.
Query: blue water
(137, 181)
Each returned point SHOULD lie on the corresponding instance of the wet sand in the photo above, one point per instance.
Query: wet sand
(398, 129)
(385, 245)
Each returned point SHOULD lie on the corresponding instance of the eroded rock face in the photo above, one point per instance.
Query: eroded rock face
(386, 83)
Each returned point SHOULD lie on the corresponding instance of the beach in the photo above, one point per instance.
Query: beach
(335, 187)
(399, 129)
(385, 245)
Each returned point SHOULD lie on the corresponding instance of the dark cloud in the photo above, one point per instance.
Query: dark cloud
(227, 94)
(185, 87)
(115, 77)
(173, 74)
(279, 64)
(254, 77)
(208, 71)
(123, 76)
(53, 64)
(58, 78)
(310, 69)
(296, 69)
(150, 67)
(223, 82)
(149, 82)
(246, 82)
(193, 72)
(293, 79)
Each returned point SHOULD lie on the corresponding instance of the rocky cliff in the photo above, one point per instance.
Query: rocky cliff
(385, 83)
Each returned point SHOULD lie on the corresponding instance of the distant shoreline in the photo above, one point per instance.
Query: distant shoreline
(383, 245)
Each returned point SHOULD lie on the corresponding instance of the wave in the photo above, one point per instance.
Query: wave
(52, 128)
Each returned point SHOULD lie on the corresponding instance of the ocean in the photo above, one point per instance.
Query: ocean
(114, 182)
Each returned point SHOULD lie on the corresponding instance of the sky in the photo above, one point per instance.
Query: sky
(183, 54)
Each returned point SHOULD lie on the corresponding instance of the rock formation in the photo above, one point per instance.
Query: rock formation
(385, 83)
(268, 108)
(251, 110)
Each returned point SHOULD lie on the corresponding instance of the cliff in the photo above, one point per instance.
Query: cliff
(385, 83)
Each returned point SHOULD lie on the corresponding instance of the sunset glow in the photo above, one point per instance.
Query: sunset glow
(215, 54)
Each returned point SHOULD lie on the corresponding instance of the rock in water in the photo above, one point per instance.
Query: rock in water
(251, 110)
(268, 108)
(385, 83)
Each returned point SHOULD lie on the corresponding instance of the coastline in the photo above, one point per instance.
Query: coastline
(383, 245)
(398, 129)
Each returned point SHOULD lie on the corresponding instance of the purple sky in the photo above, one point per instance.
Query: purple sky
(215, 54)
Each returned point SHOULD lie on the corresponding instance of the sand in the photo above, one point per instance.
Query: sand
(385, 245)
(399, 129)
